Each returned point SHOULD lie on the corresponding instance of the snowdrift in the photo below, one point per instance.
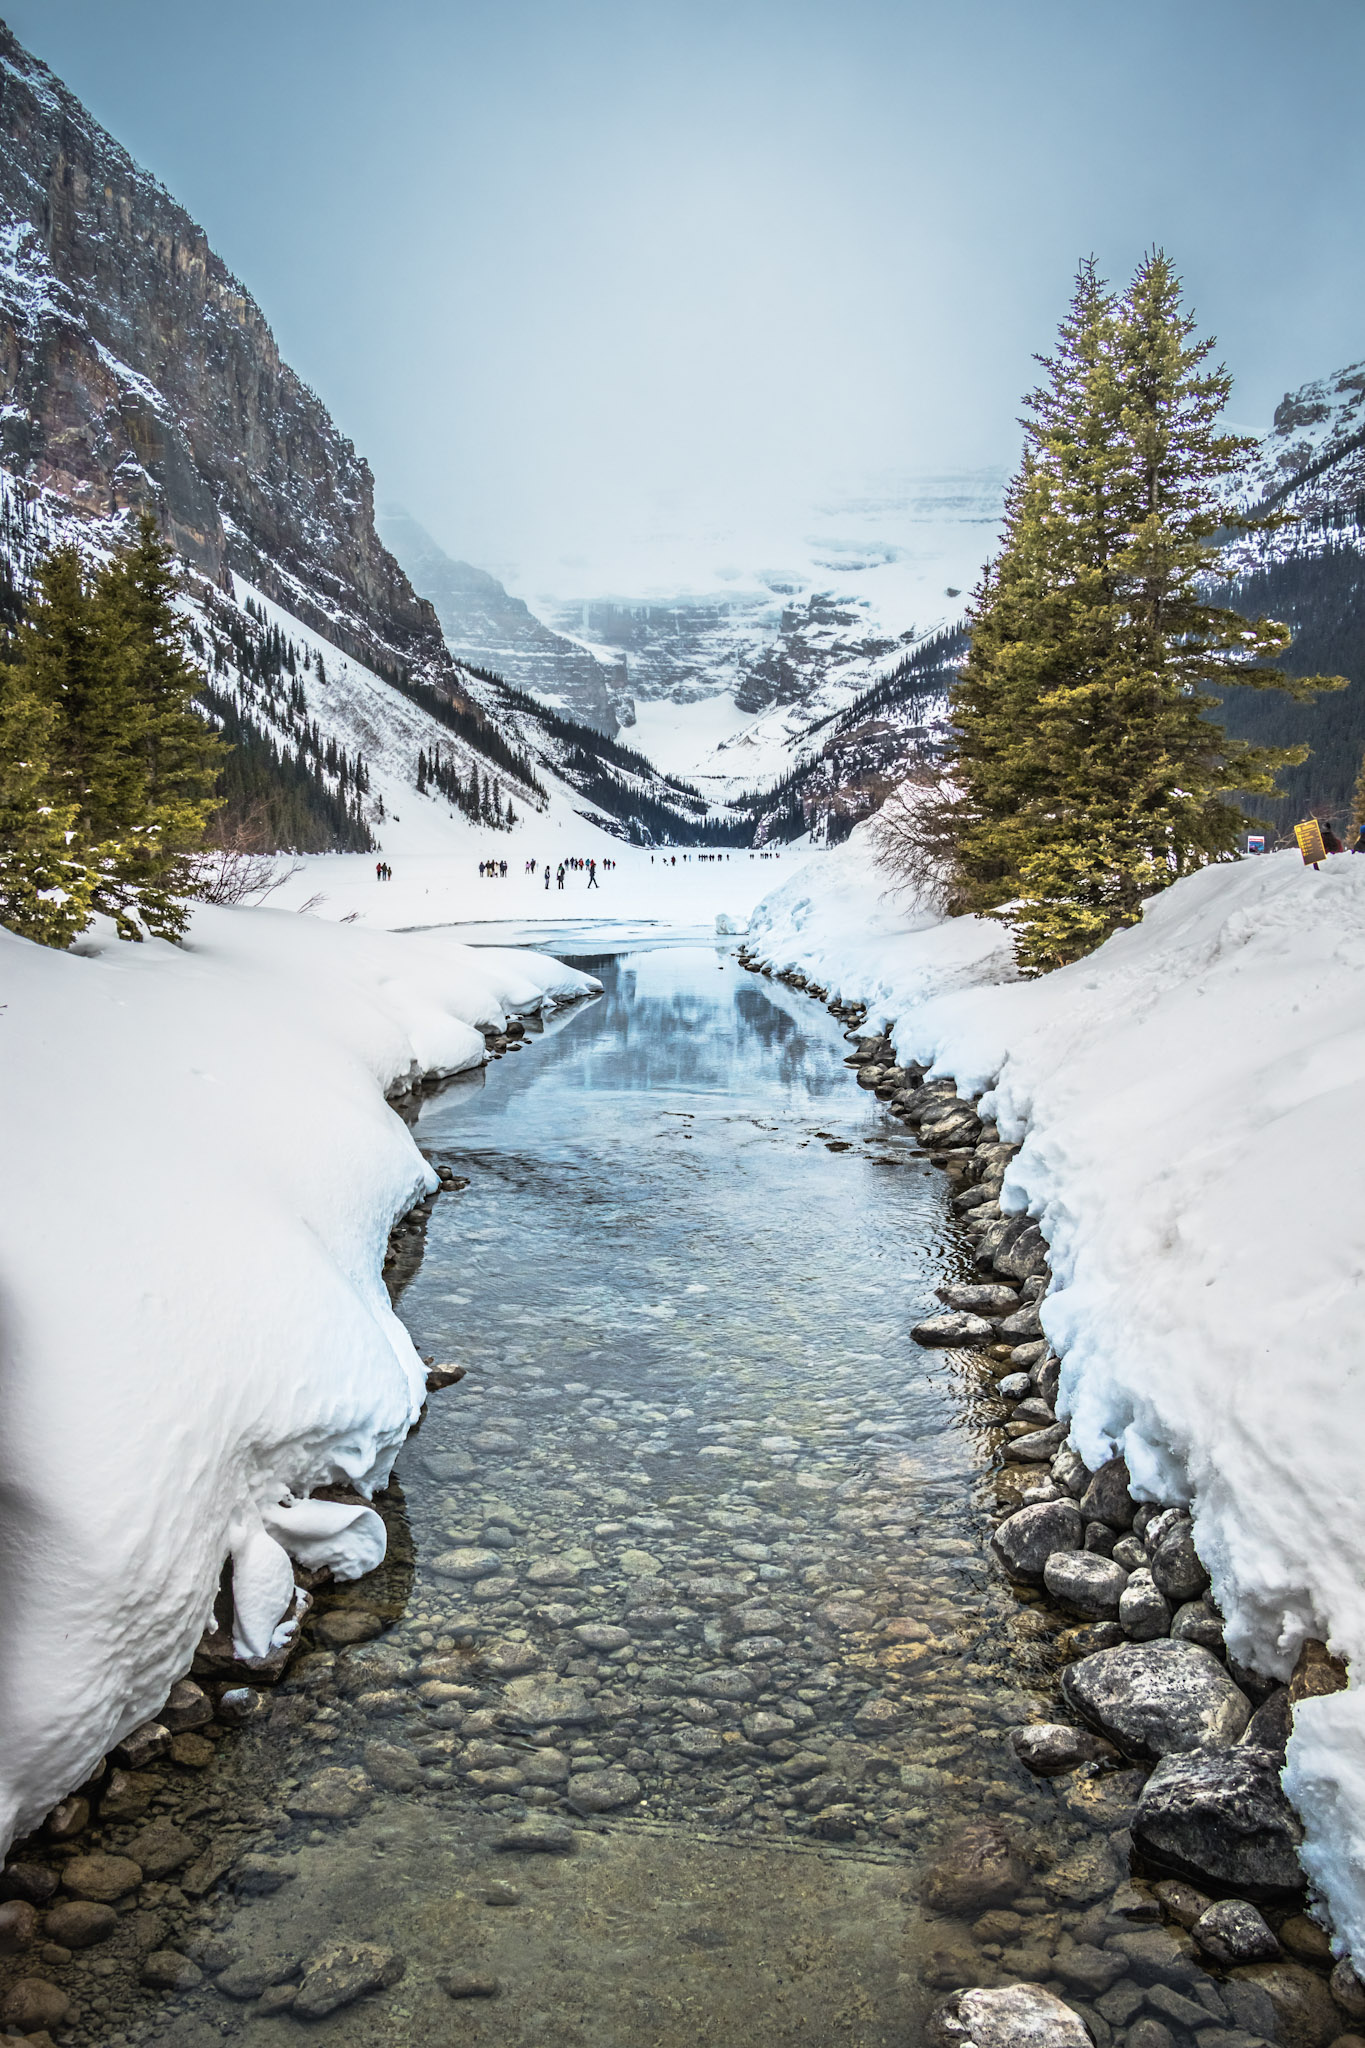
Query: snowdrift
(200, 1175)
(1191, 1099)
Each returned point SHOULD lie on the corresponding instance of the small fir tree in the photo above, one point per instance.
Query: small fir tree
(110, 771)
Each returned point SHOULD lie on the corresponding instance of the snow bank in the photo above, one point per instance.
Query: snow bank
(201, 1173)
(1191, 1099)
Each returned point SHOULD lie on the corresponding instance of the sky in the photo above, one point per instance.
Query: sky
(576, 275)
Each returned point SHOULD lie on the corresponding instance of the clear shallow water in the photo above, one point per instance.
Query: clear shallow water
(692, 1560)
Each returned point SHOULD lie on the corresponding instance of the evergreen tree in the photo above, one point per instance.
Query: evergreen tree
(45, 887)
(1086, 772)
(105, 756)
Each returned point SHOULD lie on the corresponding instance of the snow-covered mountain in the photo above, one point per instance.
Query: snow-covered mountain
(135, 370)
(720, 669)
(1312, 462)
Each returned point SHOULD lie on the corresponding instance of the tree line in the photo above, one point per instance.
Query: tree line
(1084, 770)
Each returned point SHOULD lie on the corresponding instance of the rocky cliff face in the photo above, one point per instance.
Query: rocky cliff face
(1312, 462)
(135, 369)
(484, 624)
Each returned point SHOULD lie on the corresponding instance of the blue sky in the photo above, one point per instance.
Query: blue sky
(552, 262)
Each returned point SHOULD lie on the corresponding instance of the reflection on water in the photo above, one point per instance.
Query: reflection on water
(690, 1568)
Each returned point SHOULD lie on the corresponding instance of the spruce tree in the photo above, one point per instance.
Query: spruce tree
(1087, 773)
(110, 772)
(46, 888)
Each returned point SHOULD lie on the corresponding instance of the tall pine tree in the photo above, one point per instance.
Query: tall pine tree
(1087, 773)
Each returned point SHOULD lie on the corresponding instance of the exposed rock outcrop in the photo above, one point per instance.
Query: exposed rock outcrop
(135, 369)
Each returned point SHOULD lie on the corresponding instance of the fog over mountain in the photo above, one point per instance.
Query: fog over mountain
(616, 299)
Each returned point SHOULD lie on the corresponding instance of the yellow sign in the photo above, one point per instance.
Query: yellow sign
(1310, 841)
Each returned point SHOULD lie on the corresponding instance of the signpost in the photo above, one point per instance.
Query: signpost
(1310, 842)
(1255, 842)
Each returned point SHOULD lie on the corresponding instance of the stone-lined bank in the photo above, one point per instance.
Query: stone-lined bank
(1159, 1713)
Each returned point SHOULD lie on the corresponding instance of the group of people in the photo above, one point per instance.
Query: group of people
(490, 868)
(382, 871)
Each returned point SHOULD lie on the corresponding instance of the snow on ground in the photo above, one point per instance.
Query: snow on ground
(1190, 1100)
(681, 738)
(201, 1175)
(431, 888)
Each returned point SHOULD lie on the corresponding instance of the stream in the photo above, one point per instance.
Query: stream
(687, 1583)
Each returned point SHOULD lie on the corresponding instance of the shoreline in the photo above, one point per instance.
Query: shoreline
(1202, 1754)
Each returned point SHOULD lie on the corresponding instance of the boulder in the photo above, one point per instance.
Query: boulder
(342, 1974)
(603, 1791)
(1155, 1699)
(80, 1923)
(18, 1926)
(143, 1745)
(1107, 1498)
(165, 1969)
(1221, 1819)
(1347, 1989)
(189, 1706)
(1042, 1445)
(1025, 1541)
(1271, 1724)
(1175, 1565)
(953, 1329)
(32, 2004)
(1085, 1583)
(100, 1877)
(1025, 1256)
(161, 1848)
(333, 1794)
(1144, 1612)
(1316, 1673)
(1232, 1931)
(1048, 1748)
(31, 1881)
(980, 1297)
(1305, 2015)
(1014, 2016)
(1198, 1621)
(977, 1867)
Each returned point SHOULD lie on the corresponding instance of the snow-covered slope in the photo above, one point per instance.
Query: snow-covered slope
(214, 1332)
(1188, 1099)
(716, 660)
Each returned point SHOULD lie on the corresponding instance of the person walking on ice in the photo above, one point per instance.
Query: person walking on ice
(592, 874)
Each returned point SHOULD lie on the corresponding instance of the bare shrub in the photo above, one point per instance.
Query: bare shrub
(224, 874)
(915, 833)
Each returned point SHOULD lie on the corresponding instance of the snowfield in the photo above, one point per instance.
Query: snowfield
(201, 1174)
(1190, 1100)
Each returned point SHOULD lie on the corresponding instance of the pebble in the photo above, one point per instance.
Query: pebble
(465, 1984)
(466, 1563)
